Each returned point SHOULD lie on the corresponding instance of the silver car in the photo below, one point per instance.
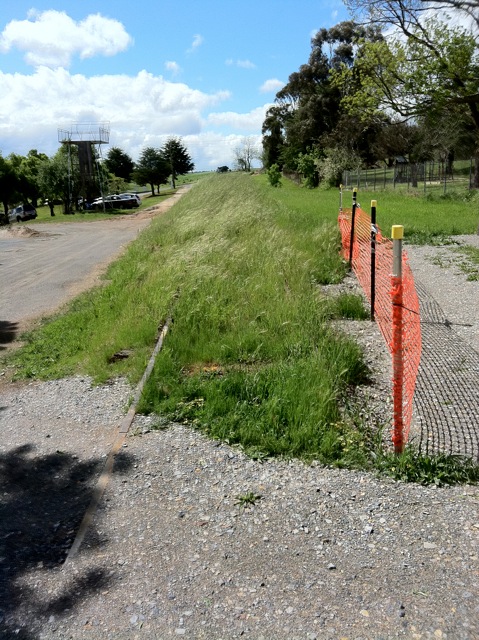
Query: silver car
(22, 212)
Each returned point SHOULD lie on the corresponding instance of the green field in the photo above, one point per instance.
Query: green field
(425, 220)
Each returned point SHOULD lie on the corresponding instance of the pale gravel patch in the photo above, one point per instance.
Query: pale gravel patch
(437, 269)
(324, 553)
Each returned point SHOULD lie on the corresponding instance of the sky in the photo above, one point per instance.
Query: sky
(204, 71)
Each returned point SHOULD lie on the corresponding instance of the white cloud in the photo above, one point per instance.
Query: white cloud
(271, 86)
(51, 38)
(248, 122)
(197, 42)
(211, 150)
(34, 107)
(243, 64)
(174, 67)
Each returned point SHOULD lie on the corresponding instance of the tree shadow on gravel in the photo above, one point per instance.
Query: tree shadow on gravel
(44, 499)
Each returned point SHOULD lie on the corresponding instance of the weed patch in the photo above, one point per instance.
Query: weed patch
(439, 470)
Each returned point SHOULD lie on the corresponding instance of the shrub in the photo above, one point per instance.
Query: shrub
(274, 175)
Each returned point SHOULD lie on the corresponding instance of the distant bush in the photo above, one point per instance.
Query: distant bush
(274, 175)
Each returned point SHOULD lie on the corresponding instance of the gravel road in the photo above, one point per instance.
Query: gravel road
(177, 547)
(44, 265)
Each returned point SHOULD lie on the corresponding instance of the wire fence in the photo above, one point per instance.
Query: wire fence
(426, 177)
(371, 257)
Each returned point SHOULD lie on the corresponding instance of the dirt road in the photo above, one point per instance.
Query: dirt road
(44, 265)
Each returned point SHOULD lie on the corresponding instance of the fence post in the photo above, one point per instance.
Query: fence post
(351, 237)
(374, 231)
(397, 346)
(340, 198)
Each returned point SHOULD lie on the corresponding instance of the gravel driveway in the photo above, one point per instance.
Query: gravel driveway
(177, 547)
(44, 265)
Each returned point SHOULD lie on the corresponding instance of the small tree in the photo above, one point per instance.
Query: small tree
(116, 184)
(245, 153)
(9, 183)
(119, 164)
(308, 168)
(152, 168)
(176, 154)
(52, 179)
(55, 181)
(336, 160)
(274, 176)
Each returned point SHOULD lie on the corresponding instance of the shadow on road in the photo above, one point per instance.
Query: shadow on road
(8, 332)
(43, 502)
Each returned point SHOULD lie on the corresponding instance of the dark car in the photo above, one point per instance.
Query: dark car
(115, 202)
(22, 212)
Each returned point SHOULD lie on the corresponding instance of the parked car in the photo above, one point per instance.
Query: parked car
(22, 212)
(125, 201)
(132, 195)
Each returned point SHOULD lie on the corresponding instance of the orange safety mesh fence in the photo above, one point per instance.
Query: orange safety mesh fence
(396, 310)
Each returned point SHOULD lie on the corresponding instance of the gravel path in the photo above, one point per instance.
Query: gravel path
(47, 264)
(447, 391)
(173, 552)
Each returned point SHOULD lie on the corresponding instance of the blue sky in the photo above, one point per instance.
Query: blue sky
(204, 71)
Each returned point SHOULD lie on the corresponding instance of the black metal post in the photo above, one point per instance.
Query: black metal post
(353, 216)
(374, 231)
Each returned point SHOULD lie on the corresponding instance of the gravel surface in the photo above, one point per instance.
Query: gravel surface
(192, 538)
(439, 270)
(46, 264)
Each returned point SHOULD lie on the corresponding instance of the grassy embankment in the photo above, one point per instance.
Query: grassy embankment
(251, 356)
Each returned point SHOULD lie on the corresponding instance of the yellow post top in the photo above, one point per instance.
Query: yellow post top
(341, 187)
(397, 232)
(374, 203)
(355, 190)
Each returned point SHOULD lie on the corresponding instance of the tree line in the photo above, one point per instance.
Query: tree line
(394, 81)
(37, 177)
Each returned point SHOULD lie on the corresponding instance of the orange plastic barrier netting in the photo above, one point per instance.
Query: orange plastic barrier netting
(396, 310)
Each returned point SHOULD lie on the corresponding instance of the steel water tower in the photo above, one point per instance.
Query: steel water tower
(84, 141)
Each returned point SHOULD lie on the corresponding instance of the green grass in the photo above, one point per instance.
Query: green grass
(425, 220)
(251, 357)
(470, 262)
(437, 470)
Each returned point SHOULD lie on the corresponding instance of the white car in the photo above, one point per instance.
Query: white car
(131, 195)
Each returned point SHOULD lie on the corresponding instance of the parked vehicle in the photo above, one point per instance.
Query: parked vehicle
(131, 195)
(124, 201)
(22, 212)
